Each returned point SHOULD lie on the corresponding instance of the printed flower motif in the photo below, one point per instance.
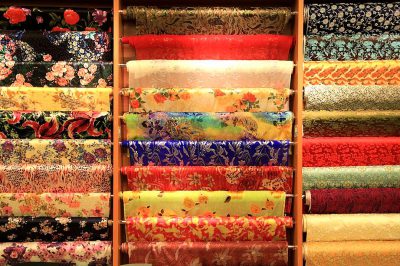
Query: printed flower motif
(249, 97)
(59, 146)
(15, 15)
(47, 58)
(14, 254)
(48, 130)
(99, 16)
(71, 17)
(83, 122)
(254, 208)
(135, 103)
(218, 92)
(7, 147)
(188, 203)
(39, 19)
(159, 98)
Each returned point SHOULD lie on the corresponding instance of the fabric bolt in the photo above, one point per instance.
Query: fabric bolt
(79, 253)
(351, 227)
(206, 20)
(373, 72)
(354, 253)
(207, 99)
(352, 98)
(56, 74)
(352, 47)
(387, 176)
(346, 151)
(55, 125)
(209, 126)
(55, 99)
(210, 73)
(26, 229)
(38, 46)
(55, 178)
(55, 19)
(351, 124)
(45, 151)
(55, 204)
(350, 18)
(226, 47)
(231, 178)
(198, 229)
(198, 153)
(203, 203)
(272, 253)
(357, 200)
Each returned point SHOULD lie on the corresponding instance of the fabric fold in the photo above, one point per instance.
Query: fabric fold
(209, 73)
(198, 153)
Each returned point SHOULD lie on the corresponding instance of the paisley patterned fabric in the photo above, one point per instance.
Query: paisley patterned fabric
(197, 153)
(205, 20)
(353, 47)
(55, 178)
(55, 125)
(231, 178)
(209, 126)
(203, 203)
(207, 228)
(43, 151)
(27, 229)
(208, 100)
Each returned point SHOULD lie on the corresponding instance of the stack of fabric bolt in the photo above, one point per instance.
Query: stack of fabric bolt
(351, 148)
(55, 153)
(209, 133)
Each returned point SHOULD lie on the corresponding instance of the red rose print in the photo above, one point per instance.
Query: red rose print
(159, 98)
(249, 97)
(71, 17)
(15, 15)
(135, 104)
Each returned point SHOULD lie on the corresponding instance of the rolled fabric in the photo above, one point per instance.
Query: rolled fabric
(352, 47)
(354, 253)
(206, 20)
(198, 229)
(210, 73)
(231, 178)
(55, 99)
(226, 47)
(207, 99)
(203, 203)
(351, 227)
(344, 151)
(55, 125)
(26, 229)
(383, 72)
(58, 151)
(387, 176)
(55, 204)
(357, 200)
(209, 126)
(44, 46)
(351, 18)
(55, 19)
(55, 178)
(352, 97)
(56, 74)
(351, 124)
(79, 253)
(198, 153)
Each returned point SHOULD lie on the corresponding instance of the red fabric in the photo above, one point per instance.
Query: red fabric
(227, 47)
(362, 200)
(319, 152)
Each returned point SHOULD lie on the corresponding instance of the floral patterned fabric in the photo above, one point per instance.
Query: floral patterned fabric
(207, 228)
(203, 203)
(353, 47)
(55, 125)
(56, 74)
(209, 126)
(37, 46)
(79, 253)
(350, 18)
(43, 151)
(354, 97)
(205, 20)
(55, 99)
(207, 99)
(209, 253)
(55, 19)
(197, 153)
(232, 178)
(55, 178)
(27, 229)
(55, 204)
